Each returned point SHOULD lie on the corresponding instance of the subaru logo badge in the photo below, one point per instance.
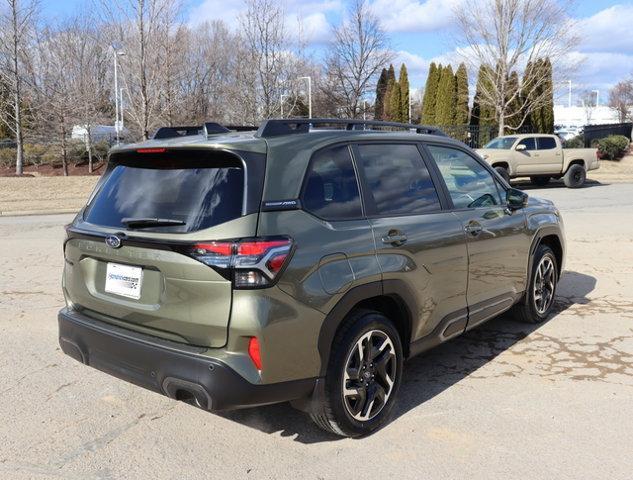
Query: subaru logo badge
(113, 241)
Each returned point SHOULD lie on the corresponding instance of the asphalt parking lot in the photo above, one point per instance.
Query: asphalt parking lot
(506, 400)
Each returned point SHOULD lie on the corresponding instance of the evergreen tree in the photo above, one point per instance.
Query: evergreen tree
(526, 86)
(430, 94)
(542, 115)
(404, 94)
(461, 91)
(513, 95)
(381, 89)
(391, 80)
(395, 103)
(547, 114)
(446, 97)
(482, 113)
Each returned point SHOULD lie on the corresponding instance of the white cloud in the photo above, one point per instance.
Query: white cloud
(415, 16)
(305, 20)
(609, 30)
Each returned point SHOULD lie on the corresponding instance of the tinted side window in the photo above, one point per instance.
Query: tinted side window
(331, 190)
(530, 143)
(399, 182)
(546, 143)
(469, 183)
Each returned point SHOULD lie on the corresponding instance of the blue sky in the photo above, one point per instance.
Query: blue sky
(420, 31)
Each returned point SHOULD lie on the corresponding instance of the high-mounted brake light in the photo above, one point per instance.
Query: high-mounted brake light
(151, 150)
(251, 263)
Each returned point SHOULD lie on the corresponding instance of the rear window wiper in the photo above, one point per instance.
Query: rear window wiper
(150, 222)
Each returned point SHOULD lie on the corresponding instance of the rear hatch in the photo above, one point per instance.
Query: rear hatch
(126, 254)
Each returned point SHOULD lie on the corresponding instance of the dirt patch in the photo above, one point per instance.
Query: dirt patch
(614, 171)
(74, 170)
(45, 194)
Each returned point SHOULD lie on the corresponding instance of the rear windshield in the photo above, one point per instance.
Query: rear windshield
(201, 190)
(502, 143)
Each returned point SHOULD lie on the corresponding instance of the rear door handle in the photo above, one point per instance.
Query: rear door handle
(474, 228)
(395, 237)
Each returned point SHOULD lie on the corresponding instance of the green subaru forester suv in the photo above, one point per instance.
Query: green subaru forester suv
(301, 262)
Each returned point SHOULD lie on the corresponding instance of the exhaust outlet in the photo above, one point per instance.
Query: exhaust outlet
(187, 392)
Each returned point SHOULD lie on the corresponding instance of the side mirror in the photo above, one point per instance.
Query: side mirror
(521, 148)
(516, 199)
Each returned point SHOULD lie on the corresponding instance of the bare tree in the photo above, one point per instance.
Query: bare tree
(265, 34)
(54, 83)
(588, 101)
(16, 22)
(357, 53)
(621, 100)
(142, 28)
(510, 35)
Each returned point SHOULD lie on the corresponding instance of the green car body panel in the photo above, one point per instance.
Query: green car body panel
(441, 282)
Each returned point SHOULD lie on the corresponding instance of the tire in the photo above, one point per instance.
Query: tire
(504, 173)
(540, 181)
(575, 176)
(531, 309)
(343, 414)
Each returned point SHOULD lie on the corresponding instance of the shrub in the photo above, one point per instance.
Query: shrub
(34, 153)
(613, 147)
(7, 157)
(576, 142)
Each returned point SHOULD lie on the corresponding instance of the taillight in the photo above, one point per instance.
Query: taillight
(251, 263)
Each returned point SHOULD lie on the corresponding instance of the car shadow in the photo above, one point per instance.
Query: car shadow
(527, 185)
(427, 375)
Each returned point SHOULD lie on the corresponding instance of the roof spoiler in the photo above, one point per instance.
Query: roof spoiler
(209, 128)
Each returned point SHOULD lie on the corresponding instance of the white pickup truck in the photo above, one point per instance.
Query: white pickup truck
(540, 157)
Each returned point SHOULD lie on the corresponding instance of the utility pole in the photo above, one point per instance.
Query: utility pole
(309, 94)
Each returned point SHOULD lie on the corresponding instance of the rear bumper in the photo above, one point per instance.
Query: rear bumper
(178, 371)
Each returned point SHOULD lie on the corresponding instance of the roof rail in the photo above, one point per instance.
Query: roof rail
(276, 127)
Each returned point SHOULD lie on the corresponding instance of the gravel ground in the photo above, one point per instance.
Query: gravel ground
(503, 401)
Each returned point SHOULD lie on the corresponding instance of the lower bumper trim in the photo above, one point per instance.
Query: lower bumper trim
(159, 366)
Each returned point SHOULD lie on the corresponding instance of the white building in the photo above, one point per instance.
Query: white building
(98, 133)
(581, 116)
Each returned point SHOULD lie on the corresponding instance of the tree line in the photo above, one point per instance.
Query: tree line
(55, 74)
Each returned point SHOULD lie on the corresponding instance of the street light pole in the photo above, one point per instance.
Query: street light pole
(597, 92)
(309, 79)
(121, 106)
(117, 53)
(281, 103)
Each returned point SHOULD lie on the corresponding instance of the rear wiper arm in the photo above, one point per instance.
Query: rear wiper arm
(150, 222)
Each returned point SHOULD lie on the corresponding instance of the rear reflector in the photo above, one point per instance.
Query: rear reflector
(254, 353)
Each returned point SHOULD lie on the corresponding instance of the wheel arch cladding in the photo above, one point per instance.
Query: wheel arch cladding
(553, 242)
(392, 298)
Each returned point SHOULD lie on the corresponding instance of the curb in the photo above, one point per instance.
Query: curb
(25, 213)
